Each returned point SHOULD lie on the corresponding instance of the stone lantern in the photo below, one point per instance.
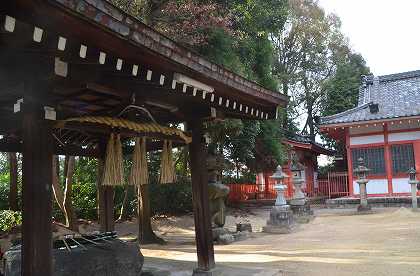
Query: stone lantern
(279, 186)
(281, 216)
(298, 181)
(413, 183)
(300, 206)
(361, 173)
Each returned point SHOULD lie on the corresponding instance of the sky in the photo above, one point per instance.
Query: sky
(385, 32)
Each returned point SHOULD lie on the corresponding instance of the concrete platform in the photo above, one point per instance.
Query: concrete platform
(383, 201)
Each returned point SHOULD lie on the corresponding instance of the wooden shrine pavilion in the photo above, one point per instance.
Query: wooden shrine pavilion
(68, 62)
(303, 150)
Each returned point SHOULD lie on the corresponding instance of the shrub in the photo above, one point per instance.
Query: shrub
(9, 219)
(85, 200)
(171, 199)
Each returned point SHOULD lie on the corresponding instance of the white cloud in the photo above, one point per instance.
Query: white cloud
(385, 32)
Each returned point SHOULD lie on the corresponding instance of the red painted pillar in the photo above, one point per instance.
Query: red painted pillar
(416, 146)
(388, 160)
(309, 176)
(349, 162)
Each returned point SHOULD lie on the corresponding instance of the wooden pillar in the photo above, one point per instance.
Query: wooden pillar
(105, 195)
(37, 181)
(349, 162)
(202, 218)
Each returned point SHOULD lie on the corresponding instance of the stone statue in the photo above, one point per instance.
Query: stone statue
(217, 191)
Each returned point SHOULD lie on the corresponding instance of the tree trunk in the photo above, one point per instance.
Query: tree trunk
(71, 220)
(237, 169)
(13, 192)
(311, 125)
(146, 234)
(64, 199)
(124, 207)
(58, 192)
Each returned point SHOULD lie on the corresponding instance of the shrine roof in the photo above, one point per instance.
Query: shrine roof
(304, 142)
(161, 50)
(382, 98)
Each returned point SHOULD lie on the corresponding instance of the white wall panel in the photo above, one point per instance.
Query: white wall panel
(400, 185)
(404, 136)
(375, 186)
(362, 140)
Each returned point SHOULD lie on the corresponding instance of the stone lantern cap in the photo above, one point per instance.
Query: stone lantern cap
(361, 169)
(412, 174)
(296, 167)
(279, 174)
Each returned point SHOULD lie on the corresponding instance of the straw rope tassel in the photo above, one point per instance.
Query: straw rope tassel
(109, 173)
(171, 164)
(136, 164)
(114, 171)
(119, 162)
(144, 169)
(167, 170)
(139, 170)
(163, 163)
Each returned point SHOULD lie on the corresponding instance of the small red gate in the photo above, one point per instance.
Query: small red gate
(336, 185)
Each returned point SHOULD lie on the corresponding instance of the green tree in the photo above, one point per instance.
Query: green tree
(342, 90)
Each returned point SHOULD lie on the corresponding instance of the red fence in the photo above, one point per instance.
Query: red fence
(336, 185)
(244, 192)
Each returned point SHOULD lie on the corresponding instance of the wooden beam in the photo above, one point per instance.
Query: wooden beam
(202, 217)
(37, 204)
(8, 146)
(74, 150)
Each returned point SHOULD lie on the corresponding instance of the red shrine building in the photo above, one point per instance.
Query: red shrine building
(303, 150)
(384, 130)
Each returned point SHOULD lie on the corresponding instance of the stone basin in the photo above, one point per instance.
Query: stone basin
(113, 258)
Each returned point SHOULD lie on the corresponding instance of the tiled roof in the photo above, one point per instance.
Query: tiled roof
(113, 19)
(397, 95)
(301, 139)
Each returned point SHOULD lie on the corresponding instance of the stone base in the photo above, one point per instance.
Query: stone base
(362, 208)
(281, 220)
(297, 202)
(271, 229)
(241, 227)
(219, 231)
(212, 272)
(224, 236)
(302, 213)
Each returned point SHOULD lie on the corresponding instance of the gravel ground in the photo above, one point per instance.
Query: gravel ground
(337, 242)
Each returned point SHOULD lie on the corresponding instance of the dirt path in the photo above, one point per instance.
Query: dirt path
(336, 243)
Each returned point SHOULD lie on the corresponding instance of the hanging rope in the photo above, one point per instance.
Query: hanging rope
(113, 171)
(167, 170)
(139, 174)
